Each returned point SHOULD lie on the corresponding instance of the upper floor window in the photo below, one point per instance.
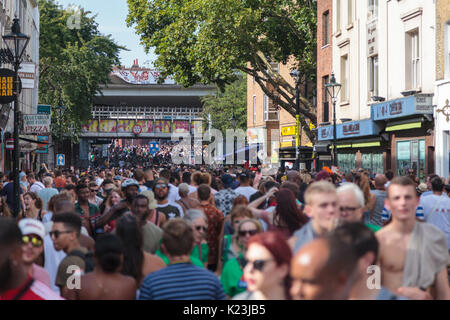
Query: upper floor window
(338, 15)
(447, 49)
(350, 12)
(345, 75)
(412, 59)
(372, 8)
(326, 28)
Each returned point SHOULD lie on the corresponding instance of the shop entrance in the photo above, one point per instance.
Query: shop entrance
(411, 155)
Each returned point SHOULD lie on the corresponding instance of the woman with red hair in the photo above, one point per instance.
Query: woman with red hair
(267, 270)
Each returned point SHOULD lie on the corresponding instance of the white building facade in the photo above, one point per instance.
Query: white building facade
(384, 58)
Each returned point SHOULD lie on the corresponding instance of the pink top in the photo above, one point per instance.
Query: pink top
(41, 274)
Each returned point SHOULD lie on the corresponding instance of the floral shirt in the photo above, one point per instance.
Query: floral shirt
(224, 200)
(215, 223)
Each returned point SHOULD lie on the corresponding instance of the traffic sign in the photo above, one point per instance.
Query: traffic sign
(153, 147)
(9, 144)
(60, 159)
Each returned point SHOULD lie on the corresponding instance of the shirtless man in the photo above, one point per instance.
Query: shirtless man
(395, 239)
(106, 282)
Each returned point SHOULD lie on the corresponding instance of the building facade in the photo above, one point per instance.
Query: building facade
(442, 93)
(28, 13)
(384, 58)
(269, 124)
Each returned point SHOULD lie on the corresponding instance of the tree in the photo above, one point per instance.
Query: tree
(231, 100)
(74, 61)
(204, 41)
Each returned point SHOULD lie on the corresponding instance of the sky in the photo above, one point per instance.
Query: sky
(111, 16)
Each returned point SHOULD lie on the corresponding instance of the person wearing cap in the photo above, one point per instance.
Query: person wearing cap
(225, 198)
(23, 181)
(157, 218)
(33, 233)
(244, 186)
(323, 175)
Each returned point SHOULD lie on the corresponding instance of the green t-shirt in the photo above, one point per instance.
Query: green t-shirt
(373, 227)
(195, 261)
(205, 251)
(232, 277)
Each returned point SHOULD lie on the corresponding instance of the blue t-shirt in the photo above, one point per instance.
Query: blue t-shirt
(182, 281)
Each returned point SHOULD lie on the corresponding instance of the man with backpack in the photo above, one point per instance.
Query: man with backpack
(65, 235)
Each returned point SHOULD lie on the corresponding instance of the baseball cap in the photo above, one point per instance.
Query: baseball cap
(322, 175)
(32, 226)
(117, 178)
(130, 182)
(21, 175)
(422, 188)
(152, 204)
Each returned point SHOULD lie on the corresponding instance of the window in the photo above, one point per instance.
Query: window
(372, 8)
(349, 12)
(412, 57)
(266, 108)
(373, 76)
(338, 15)
(345, 78)
(326, 98)
(254, 109)
(326, 28)
(447, 50)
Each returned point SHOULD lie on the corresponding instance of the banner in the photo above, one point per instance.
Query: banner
(146, 125)
(124, 126)
(140, 76)
(180, 127)
(27, 74)
(108, 126)
(90, 126)
(197, 127)
(162, 126)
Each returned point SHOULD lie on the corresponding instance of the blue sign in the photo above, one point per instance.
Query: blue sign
(153, 147)
(348, 130)
(44, 109)
(60, 159)
(417, 104)
(42, 148)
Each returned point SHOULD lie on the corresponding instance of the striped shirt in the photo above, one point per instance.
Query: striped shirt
(181, 281)
(386, 215)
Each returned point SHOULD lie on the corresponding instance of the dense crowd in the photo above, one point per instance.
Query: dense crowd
(152, 230)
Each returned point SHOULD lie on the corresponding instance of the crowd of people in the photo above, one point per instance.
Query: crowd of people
(190, 232)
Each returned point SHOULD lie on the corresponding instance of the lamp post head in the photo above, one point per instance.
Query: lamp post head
(333, 88)
(233, 121)
(16, 42)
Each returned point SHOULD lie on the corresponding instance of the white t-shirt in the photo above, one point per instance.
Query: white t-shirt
(246, 191)
(173, 193)
(52, 260)
(192, 189)
(36, 187)
(437, 212)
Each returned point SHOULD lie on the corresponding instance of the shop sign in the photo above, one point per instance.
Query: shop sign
(36, 123)
(350, 129)
(411, 105)
(6, 86)
(288, 131)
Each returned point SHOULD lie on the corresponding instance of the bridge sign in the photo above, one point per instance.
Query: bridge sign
(60, 159)
(153, 147)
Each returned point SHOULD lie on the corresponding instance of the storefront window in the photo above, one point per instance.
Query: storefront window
(346, 162)
(372, 162)
(411, 155)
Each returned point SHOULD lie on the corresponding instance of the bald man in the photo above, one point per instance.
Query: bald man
(324, 269)
(380, 194)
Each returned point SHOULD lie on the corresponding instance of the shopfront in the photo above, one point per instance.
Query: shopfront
(409, 123)
(359, 145)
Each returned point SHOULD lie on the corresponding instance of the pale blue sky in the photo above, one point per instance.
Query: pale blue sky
(111, 15)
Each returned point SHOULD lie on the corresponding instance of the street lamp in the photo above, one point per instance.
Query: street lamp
(16, 42)
(296, 75)
(234, 121)
(333, 89)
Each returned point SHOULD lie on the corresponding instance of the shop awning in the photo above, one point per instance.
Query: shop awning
(405, 126)
(357, 145)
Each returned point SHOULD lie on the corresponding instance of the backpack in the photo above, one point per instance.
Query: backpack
(88, 259)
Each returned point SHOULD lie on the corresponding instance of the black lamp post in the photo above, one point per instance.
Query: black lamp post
(234, 122)
(333, 89)
(296, 75)
(16, 42)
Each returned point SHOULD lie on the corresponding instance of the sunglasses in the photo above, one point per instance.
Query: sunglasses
(57, 233)
(160, 186)
(347, 209)
(199, 228)
(35, 241)
(243, 233)
(258, 264)
(94, 190)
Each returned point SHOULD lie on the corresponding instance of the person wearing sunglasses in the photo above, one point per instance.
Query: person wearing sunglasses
(33, 233)
(199, 254)
(232, 274)
(93, 194)
(267, 270)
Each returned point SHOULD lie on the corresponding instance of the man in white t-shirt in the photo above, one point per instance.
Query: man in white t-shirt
(436, 207)
(244, 186)
(35, 185)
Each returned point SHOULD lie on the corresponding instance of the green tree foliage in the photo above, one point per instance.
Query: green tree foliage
(207, 40)
(225, 103)
(74, 61)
